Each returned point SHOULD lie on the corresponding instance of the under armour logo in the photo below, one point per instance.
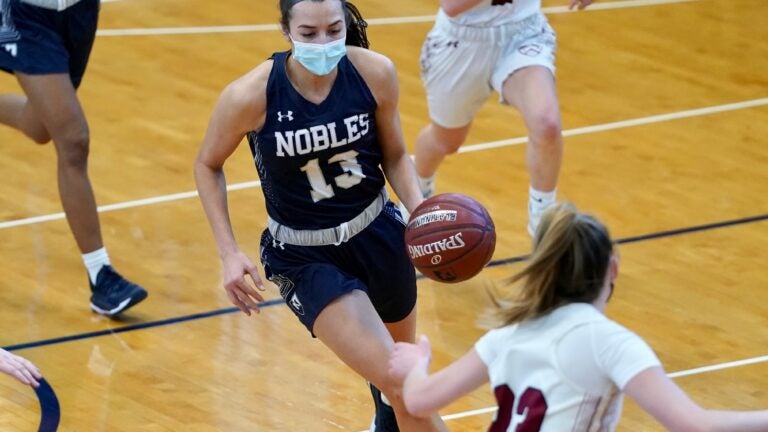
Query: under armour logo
(281, 116)
(296, 304)
(454, 44)
(530, 50)
(12, 48)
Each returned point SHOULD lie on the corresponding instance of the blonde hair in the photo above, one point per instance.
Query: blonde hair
(570, 260)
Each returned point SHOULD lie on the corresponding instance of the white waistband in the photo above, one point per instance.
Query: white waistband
(329, 236)
(57, 5)
(499, 33)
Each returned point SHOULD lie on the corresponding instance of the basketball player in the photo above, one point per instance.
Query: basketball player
(323, 126)
(46, 44)
(558, 363)
(476, 47)
(19, 368)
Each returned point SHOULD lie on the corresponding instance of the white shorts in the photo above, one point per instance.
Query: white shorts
(461, 66)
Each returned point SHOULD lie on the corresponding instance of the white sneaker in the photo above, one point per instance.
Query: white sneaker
(538, 204)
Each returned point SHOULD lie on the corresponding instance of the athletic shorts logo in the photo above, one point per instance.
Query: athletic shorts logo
(296, 305)
(531, 50)
(12, 49)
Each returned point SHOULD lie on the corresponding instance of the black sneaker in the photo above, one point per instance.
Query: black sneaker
(113, 294)
(385, 416)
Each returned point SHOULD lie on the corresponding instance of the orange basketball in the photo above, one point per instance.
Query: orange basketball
(450, 237)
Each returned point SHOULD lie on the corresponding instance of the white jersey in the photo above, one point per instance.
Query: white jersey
(497, 12)
(562, 372)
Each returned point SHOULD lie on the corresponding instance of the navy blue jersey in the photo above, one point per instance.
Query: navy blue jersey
(319, 164)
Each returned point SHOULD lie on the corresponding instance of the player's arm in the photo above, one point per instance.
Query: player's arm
(456, 7)
(424, 394)
(657, 394)
(380, 75)
(240, 109)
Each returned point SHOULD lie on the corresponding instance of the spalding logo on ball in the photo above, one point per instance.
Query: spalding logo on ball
(450, 237)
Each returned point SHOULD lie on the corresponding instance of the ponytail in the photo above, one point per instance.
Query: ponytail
(356, 25)
(569, 264)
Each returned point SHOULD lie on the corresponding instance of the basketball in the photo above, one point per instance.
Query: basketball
(450, 237)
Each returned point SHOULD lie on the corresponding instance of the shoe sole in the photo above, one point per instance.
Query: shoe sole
(122, 307)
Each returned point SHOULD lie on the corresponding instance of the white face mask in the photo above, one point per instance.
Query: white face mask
(320, 59)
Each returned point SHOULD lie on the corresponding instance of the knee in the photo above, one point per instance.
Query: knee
(448, 140)
(546, 128)
(73, 148)
(39, 137)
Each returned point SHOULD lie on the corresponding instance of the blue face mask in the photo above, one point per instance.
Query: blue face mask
(320, 59)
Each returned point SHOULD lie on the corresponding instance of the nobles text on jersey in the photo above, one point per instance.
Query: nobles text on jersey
(321, 137)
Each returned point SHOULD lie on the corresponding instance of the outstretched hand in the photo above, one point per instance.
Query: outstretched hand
(407, 356)
(582, 4)
(241, 292)
(19, 368)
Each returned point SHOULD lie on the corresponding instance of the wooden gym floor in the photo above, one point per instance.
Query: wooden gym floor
(665, 111)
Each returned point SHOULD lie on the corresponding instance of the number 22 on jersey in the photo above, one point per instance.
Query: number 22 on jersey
(528, 415)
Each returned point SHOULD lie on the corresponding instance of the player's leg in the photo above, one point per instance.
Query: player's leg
(352, 329)
(16, 112)
(525, 80)
(52, 98)
(54, 102)
(456, 65)
(532, 91)
(433, 144)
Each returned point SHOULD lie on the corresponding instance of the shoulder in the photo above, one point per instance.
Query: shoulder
(244, 100)
(250, 87)
(490, 344)
(370, 63)
(377, 70)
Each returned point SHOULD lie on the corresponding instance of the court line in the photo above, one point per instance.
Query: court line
(465, 149)
(50, 411)
(372, 21)
(626, 123)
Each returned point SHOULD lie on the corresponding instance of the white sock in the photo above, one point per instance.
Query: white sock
(538, 203)
(94, 261)
(427, 185)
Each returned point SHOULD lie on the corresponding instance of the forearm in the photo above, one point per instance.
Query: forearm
(418, 392)
(212, 189)
(742, 421)
(424, 394)
(401, 174)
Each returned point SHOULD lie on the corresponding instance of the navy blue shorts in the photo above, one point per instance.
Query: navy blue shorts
(374, 261)
(40, 41)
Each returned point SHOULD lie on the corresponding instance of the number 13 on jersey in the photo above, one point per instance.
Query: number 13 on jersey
(353, 175)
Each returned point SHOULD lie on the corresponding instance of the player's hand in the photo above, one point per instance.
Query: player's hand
(407, 356)
(19, 368)
(581, 3)
(242, 293)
